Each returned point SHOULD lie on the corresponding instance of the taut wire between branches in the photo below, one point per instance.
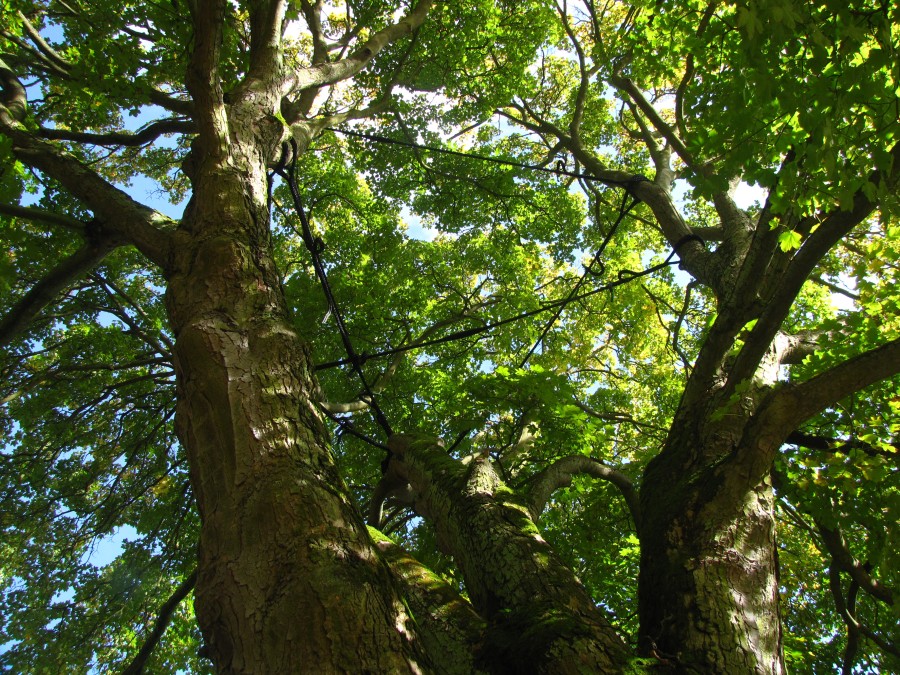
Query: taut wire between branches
(315, 246)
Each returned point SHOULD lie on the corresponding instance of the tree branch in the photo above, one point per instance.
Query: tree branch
(32, 213)
(330, 73)
(694, 256)
(832, 445)
(143, 136)
(560, 474)
(446, 623)
(121, 216)
(628, 87)
(584, 81)
(834, 227)
(842, 557)
(45, 291)
(163, 618)
(312, 12)
(164, 346)
(265, 73)
(12, 93)
(846, 610)
(203, 82)
(42, 45)
(32, 58)
(786, 408)
(834, 288)
(176, 105)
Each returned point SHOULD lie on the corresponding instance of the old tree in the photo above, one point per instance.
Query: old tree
(653, 424)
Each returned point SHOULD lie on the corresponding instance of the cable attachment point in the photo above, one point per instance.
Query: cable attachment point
(598, 273)
(685, 239)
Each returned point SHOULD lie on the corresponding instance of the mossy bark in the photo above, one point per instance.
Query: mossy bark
(708, 584)
(540, 618)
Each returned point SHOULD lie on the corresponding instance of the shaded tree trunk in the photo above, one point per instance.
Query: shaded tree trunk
(289, 580)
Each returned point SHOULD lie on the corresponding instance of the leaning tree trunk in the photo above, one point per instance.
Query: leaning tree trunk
(289, 580)
(540, 619)
(708, 584)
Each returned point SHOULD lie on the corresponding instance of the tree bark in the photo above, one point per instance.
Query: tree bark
(708, 584)
(289, 580)
(540, 618)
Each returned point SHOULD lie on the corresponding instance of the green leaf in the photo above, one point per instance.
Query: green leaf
(789, 240)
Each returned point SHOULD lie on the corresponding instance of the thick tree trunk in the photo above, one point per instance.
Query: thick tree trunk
(289, 581)
(708, 584)
(540, 618)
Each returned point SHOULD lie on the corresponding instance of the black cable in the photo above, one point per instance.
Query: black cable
(623, 211)
(347, 426)
(470, 332)
(558, 170)
(685, 239)
(315, 246)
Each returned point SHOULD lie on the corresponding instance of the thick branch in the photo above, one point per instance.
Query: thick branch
(342, 408)
(143, 136)
(31, 59)
(330, 73)
(170, 103)
(834, 227)
(445, 621)
(266, 19)
(45, 291)
(139, 225)
(512, 575)
(12, 93)
(163, 618)
(560, 473)
(694, 257)
(203, 82)
(312, 12)
(735, 223)
(788, 407)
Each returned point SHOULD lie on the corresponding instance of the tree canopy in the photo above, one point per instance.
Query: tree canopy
(635, 264)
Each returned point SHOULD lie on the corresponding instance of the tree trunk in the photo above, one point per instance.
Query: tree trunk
(289, 580)
(708, 584)
(540, 618)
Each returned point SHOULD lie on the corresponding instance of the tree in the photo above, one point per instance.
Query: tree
(641, 468)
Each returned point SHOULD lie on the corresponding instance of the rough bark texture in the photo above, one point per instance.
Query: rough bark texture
(708, 589)
(289, 580)
(540, 618)
(446, 623)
